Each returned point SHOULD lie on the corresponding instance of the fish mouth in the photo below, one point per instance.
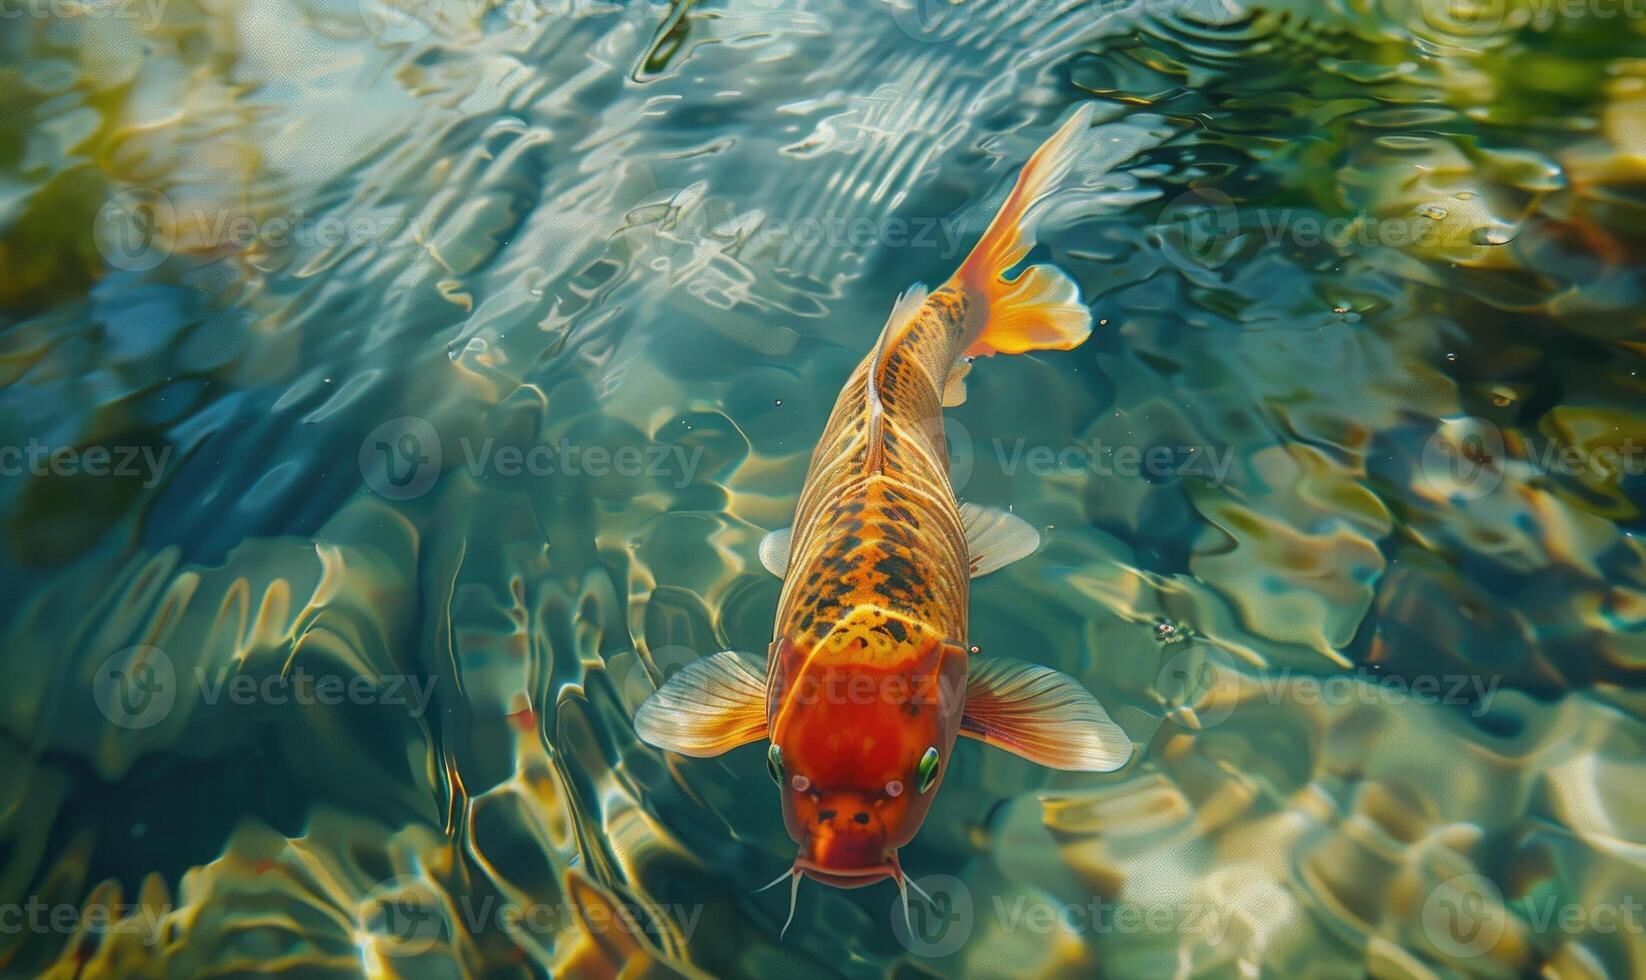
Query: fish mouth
(848, 877)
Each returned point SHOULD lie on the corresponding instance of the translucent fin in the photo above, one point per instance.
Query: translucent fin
(954, 390)
(995, 538)
(714, 704)
(774, 551)
(907, 305)
(1041, 308)
(903, 312)
(1042, 715)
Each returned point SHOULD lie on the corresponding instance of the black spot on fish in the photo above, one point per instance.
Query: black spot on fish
(895, 567)
(897, 532)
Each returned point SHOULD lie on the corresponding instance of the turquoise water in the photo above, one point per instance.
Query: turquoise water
(393, 395)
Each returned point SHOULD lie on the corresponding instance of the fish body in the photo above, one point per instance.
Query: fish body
(868, 681)
(867, 670)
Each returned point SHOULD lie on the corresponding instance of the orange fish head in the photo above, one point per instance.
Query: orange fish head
(858, 749)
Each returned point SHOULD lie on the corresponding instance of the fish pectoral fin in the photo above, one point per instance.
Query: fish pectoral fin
(774, 551)
(954, 389)
(714, 704)
(1043, 715)
(995, 538)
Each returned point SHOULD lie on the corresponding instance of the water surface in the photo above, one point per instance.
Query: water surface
(460, 354)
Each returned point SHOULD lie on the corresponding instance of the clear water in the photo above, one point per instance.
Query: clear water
(451, 360)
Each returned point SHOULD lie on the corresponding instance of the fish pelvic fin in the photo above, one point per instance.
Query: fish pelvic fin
(712, 705)
(1040, 309)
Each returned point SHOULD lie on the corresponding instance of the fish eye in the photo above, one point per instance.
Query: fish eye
(774, 763)
(928, 769)
(800, 783)
(894, 788)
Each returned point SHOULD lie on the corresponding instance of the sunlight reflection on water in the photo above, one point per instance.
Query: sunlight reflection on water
(451, 360)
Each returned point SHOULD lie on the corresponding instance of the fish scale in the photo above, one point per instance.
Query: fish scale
(873, 492)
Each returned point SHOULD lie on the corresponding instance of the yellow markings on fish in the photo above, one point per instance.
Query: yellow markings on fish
(871, 636)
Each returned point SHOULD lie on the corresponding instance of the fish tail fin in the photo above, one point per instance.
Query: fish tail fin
(1041, 308)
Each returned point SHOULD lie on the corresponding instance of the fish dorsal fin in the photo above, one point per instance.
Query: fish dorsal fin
(907, 305)
(714, 704)
(774, 551)
(903, 311)
(954, 389)
(995, 538)
(1042, 715)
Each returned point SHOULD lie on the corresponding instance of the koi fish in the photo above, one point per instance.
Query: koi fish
(869, 680)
